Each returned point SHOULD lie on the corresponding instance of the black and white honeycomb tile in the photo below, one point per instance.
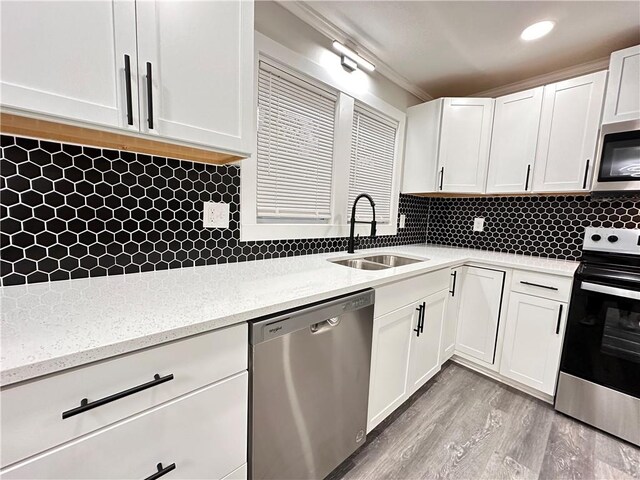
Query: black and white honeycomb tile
(550, 226)
(71, 212)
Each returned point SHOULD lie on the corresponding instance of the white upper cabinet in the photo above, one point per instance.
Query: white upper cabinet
(480, 290)
(197, 56)
(421, 147)
(513, 142)
(622, 101)
(68, 59)
(464, 144)
(533, 341)
(568, 133)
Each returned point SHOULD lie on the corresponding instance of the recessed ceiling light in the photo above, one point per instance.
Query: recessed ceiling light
(537, 30)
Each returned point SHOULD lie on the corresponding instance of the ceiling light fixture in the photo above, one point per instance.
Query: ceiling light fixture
(350, 59)
(537, 30)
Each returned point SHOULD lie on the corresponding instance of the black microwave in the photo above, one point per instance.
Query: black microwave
(618, 168)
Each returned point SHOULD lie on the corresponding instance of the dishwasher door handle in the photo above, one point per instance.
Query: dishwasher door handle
(325, 325)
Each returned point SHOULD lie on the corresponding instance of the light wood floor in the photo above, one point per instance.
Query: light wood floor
(462, 425)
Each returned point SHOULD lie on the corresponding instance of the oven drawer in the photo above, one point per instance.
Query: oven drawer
(203, 433)
(542, 285)
(32, 412)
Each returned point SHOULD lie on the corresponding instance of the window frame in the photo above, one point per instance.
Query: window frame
(349, 88)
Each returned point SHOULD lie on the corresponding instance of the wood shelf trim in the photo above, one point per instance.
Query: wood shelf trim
(11, 124)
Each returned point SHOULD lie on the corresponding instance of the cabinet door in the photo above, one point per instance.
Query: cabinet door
(67, 59)
(568, 133)
(622, 101)
(479, 311)
(450, 322)
(464, 144)
(198, 58)
(425, 348)
(533, 341)
(421, 148)
(513, 142)
(390, 362)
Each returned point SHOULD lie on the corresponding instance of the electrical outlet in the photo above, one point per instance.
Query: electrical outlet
(478, 225)
(403, 219)
(215, 215)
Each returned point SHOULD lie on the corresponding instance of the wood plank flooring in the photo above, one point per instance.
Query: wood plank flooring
(463, 425)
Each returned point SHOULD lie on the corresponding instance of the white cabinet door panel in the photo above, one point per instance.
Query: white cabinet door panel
(513, 142)
(66, 58)
(464, 144)
(478, 314)
(622, 101)
(425, 348)
(200, 55)
(450, 322)
(390, 362)
(533, 341)
(569, 127)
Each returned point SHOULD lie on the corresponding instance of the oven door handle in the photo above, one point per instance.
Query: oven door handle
(607, 290)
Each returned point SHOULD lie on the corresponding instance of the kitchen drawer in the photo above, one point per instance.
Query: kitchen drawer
(397, 295)
(203, 433)
(543, 285)
(32, 412)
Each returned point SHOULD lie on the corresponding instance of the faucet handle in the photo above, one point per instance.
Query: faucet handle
(356, 241)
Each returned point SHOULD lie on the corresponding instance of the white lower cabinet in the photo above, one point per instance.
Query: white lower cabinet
(533, 341)
(424, 361)
(201, 434)
(480, 290)
(450, 320)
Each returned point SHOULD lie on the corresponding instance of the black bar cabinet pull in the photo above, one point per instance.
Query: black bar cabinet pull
(86, 405)
(127, 83)
(150, 95)
(586, 174)
(441, 177)
(417, 329)
(559, 317)
(453, 287)
(161, 471)
(526, 182)
(538, 285)
(424, 310)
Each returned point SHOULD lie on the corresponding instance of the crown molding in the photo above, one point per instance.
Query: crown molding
(332, 32)
(551, 77)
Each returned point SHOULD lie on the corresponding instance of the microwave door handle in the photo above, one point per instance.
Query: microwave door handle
(607, 290)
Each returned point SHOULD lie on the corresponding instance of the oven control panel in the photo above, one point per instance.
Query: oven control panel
(614, 240)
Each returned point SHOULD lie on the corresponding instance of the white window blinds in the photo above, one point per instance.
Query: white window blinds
(296, 122)
(373, 141)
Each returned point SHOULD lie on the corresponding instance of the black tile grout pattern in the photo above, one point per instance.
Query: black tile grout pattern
(549, 226)
(72, 212)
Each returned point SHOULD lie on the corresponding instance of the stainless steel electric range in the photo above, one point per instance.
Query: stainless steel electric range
(599, 380)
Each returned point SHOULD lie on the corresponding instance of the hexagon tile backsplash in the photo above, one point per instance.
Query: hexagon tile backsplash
(72, 212)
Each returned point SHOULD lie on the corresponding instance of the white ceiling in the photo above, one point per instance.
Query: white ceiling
(461, 48)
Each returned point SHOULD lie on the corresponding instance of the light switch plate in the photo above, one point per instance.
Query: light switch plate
(215, 215)
(478, 225)
(403, 219)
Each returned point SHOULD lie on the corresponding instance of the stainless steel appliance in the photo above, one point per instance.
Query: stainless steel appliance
(599, 380)
(618, 168)
(309, 387)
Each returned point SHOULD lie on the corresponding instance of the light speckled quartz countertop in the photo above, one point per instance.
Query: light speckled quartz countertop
(48, 327)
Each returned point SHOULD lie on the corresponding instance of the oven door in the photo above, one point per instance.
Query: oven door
(619, 165)
(602, 340)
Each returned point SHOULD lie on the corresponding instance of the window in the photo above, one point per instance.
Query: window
(373, 142)
(296, 123)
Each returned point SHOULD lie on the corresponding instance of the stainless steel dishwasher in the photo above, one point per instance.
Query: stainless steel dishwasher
(309, 387)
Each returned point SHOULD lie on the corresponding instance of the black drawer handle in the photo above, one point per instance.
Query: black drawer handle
(161, 471)
(453, 288)
(86, 405)
(150, 95)
(559, 318)
(127, 75)
(586, 174)
(441, 177)
(526, 182)
(424, 310)
(418, 330)
(538, 285)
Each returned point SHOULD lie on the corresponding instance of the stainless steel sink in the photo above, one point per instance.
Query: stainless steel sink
(360, 264)
(377, 262)
(392, 260)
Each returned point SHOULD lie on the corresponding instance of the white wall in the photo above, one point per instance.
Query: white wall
(285, 28)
